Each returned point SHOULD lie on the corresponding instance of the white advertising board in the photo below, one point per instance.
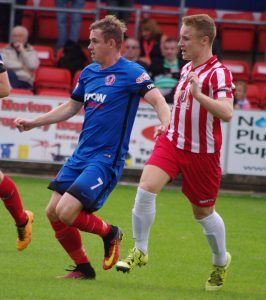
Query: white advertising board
(246, 153)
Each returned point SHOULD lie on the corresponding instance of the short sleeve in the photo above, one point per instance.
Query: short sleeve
(79, 90)
(221, 83)
(139, 79)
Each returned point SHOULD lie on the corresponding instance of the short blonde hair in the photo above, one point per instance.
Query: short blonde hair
(112, 28)
(203, 23)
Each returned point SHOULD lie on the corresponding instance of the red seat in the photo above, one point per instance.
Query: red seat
(194, 11)
(262, 34)
(238, 68)
(237, 37)
(45, 54)
(87, 19)
(21, 92)
(168, 23)
(53, 92)
(258, 73)
(263, 99)
(253, 95)
(3, 45)
(52, 78)
(28, 18)
(46, 22)
(75, 79)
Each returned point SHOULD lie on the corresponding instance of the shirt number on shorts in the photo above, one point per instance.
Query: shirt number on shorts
(100, 182)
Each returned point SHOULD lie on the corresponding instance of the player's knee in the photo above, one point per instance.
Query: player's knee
(50, 213)
(148, 186)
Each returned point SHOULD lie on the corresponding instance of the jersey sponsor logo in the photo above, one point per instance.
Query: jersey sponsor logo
(206, 201)
(182, 98)
(110, 79)
(97, 97)
(144, 76)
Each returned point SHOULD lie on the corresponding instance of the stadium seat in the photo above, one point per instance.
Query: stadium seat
(52, 78)
(238, 68)
(75, 79)
(194, 11)
(253, 95)
(3, 45)
(262, 34)
(258, 73)
(87, 19)
(237, 37)
(53, 92)
(28, 18)
(46, 22)
(263, 99)
(168, 22)
(21, 92)
(45, 54)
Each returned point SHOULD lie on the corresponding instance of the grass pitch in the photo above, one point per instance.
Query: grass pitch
(179, 257)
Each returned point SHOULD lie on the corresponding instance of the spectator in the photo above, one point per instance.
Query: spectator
(73, 58)
(150, 41)
(122, 15)
(132, 51)
(62, 22)
(165, 71)
(240, 97)
(21, 59)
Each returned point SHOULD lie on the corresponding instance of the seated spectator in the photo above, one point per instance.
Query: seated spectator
(150, 41)
(73, 58)
(132, 51)
(165, 71)
(21, 59)
(240, 98)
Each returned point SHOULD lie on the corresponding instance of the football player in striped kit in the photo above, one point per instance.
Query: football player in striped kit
(8, 190)
(191, 146)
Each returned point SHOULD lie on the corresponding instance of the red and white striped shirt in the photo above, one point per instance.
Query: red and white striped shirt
(192, 127)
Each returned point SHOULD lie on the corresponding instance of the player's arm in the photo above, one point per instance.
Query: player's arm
(4, 82)
(155, 98)
(58, 114)
(222, 109)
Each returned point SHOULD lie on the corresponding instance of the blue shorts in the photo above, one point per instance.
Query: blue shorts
(90, 185)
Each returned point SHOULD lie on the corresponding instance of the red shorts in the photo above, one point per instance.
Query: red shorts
(201, 172)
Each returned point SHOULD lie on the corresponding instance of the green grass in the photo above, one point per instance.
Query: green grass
(179, 257)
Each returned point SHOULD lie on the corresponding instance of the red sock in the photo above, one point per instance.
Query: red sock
(12, 201)
(90, 223)
(69, 238)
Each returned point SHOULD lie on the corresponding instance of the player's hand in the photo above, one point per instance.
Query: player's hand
(159, 130)
(24, 124)
(194, 84)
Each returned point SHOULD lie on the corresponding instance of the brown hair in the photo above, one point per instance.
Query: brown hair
(112, 28)
(203, 23)
(152, 26)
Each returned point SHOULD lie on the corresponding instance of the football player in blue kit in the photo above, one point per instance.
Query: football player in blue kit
(109, 90)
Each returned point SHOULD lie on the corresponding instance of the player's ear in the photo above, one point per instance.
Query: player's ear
(112, 43)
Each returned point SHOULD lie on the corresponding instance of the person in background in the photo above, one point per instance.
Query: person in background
(191, 146)
(73, 58)
(109, 90)
(151, 39)
(165, 71)
(8, 190)
(21, 59)
(62, 22)
(132, 52)
(121, 15)
(240, 96)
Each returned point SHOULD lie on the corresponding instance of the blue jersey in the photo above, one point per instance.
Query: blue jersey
(111, 98)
